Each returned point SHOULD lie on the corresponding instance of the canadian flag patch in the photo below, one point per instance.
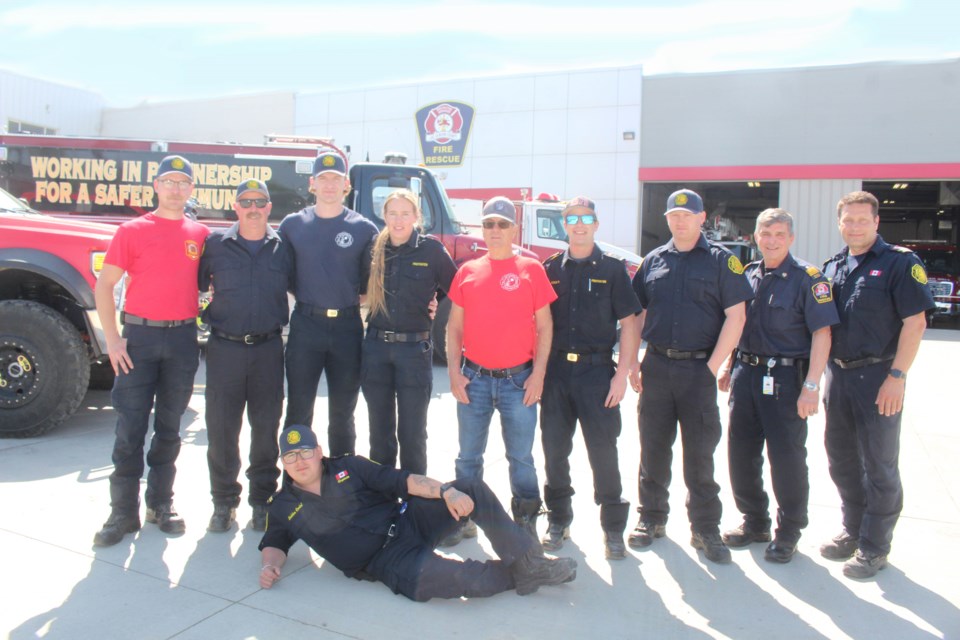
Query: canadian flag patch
(343, 475)
(876, 272)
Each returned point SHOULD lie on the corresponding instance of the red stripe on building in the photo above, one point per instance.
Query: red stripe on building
(922, 171)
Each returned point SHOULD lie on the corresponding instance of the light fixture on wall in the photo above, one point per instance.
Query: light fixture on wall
(753, 184)
(629, 135)
(900, 185)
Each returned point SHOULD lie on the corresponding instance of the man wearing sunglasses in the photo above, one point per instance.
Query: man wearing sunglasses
(250, 270)
(156, 357)
(498, 340)
(693, 294)
(583, 382)
(380, 523)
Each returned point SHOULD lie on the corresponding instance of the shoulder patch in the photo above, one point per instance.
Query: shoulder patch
(822, 293)
(919, 273)
(734, 264)
(812, 271)
(553, 257)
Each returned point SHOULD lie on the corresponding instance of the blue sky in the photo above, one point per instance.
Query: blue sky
(136, 51)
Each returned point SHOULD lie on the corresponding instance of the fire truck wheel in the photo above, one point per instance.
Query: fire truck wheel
(439, 332)
(44, 369)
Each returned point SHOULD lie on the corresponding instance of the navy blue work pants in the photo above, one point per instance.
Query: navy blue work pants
(165, 361)
(397, 380)
(318, 344)
(758, 419)
(863, 453)
(684, 391)
(239, 377)
(408, 564)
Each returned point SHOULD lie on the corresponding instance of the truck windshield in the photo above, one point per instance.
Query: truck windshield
(455, 226)
(9, 203)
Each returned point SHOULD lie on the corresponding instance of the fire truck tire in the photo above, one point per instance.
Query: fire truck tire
(101, 376)
(439, 332)
(44, 369)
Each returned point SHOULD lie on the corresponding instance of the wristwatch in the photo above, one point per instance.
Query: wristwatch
(896, 373)
(444, 487)
(811, 386)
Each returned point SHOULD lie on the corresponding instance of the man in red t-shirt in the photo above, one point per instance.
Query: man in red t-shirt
(157, 355)
(498, 341)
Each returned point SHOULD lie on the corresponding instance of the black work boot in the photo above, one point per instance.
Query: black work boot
(525, 513)
(744, 535)
(259, 520)
(864, 565)
(712, 547)
(116, 526)
(613, 547)
(613, 521)
(165, 517)
(644, 534)
(467, 529)
(222, 519)
(556, 533)
(534, 570)
(840, 547)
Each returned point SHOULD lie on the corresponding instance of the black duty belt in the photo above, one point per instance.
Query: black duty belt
(862, 362)
(250, 338)
(754, 360)
(497, 373)
(129, 318)
(395, 336)
(676, 354)
(602, 357)
(310, 310)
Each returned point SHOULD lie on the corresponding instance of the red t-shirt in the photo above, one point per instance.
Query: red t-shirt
(499, 299)
(161, 257)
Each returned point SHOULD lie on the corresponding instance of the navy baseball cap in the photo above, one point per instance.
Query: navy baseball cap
(500, 207)
(296, 437)
(684, 200)
(581, 203)
(329, 161)
(175, 164)
(253, 185)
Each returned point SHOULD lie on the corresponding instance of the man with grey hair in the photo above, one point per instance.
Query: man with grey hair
(774, 382)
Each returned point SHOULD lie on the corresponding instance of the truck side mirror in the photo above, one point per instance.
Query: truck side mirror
(416, 185)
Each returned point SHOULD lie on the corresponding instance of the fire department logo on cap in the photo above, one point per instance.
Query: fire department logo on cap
(919, 274)
(293, 437)
(177, 163)
(733, 262)
(192, 249)
(681, 199)
(253, 184)
(510, 282)
(328, 161)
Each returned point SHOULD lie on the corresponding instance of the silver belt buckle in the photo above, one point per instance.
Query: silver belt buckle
(332, 313)
(573, 357)
(248, 339)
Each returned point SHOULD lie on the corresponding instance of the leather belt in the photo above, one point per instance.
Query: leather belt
(862, 362)
(248, 339)
(497, 373)
(129, 318)
(602, 357)
(310, 310)
(394, 336)
(676, 354)
(754, 360)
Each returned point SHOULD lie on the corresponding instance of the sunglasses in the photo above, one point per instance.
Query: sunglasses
(259, 203)
(500, 224)
(585, 218)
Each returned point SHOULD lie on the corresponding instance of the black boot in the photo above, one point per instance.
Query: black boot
(116, 526)
(534, 570)
(224, 515)
(613, 520)
(525, 513)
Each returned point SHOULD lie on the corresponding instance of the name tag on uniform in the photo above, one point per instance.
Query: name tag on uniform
(768, 385)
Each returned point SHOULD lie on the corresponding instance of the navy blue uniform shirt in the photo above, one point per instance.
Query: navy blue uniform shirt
(332, 256)
(592, 294)
(411, 275)
(249, 290)
(792, 302)
(888, 285)
(686, 294)
(347, 523)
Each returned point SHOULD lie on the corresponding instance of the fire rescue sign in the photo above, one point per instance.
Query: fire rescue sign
(444, 128)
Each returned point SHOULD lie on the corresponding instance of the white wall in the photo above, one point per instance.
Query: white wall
(67, 110)
(561, 133)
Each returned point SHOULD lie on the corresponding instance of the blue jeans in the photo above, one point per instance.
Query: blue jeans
(518, 426)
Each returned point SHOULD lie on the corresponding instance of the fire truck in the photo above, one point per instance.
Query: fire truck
(78, 181)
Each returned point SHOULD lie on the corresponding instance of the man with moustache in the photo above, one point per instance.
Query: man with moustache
(250, 269)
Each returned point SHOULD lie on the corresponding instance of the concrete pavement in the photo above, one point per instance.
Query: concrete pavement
(54, 496)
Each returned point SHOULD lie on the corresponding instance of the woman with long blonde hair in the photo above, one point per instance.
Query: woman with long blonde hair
(397, 366)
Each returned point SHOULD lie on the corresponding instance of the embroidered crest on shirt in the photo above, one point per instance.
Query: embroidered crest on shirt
(343, 239)
(192, 249)
(822, 293)
(919, 274)
(510, 282)
(734, 264)
(343, 476)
